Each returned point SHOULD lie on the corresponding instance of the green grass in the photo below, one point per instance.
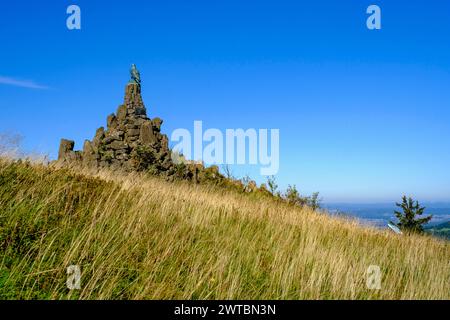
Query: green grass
(137, 237)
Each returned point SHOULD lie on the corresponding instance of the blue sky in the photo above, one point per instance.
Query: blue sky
(363, 115)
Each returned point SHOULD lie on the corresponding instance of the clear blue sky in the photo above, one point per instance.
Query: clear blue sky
(363, 115)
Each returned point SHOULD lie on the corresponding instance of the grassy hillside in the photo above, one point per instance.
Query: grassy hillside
(143, 238)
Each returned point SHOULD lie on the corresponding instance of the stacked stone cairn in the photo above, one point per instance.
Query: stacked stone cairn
(131, 141)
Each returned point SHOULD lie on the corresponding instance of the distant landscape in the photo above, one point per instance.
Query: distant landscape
(379, 214)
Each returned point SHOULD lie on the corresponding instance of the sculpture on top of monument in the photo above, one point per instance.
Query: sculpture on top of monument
(135, 75)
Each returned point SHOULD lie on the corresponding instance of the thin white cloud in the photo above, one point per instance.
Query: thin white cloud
(21, 83)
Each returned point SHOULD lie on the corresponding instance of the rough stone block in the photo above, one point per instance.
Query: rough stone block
(111, 121)
(65, 147)
(118, 145)
(147, 135)
(157, 123)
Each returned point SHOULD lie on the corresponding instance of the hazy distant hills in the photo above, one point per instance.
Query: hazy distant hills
(440, 230)
(380, 214)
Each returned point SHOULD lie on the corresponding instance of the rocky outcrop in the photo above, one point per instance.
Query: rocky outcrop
(131, 140)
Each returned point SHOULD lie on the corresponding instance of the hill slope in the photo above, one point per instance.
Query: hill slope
(143, 238)
(440, 230)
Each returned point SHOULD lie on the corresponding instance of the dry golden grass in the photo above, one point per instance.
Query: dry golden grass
(143, 238)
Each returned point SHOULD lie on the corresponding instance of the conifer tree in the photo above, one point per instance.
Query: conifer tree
(409, 218)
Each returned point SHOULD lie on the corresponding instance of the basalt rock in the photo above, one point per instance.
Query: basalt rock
(65, 148)
(66, 153)
(131, 141)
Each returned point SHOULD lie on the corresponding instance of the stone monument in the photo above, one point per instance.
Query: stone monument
(131, 140)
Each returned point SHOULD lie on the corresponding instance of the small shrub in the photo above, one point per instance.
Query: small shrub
(142, 158)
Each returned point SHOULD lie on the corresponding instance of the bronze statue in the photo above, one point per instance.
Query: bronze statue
(135, 75)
